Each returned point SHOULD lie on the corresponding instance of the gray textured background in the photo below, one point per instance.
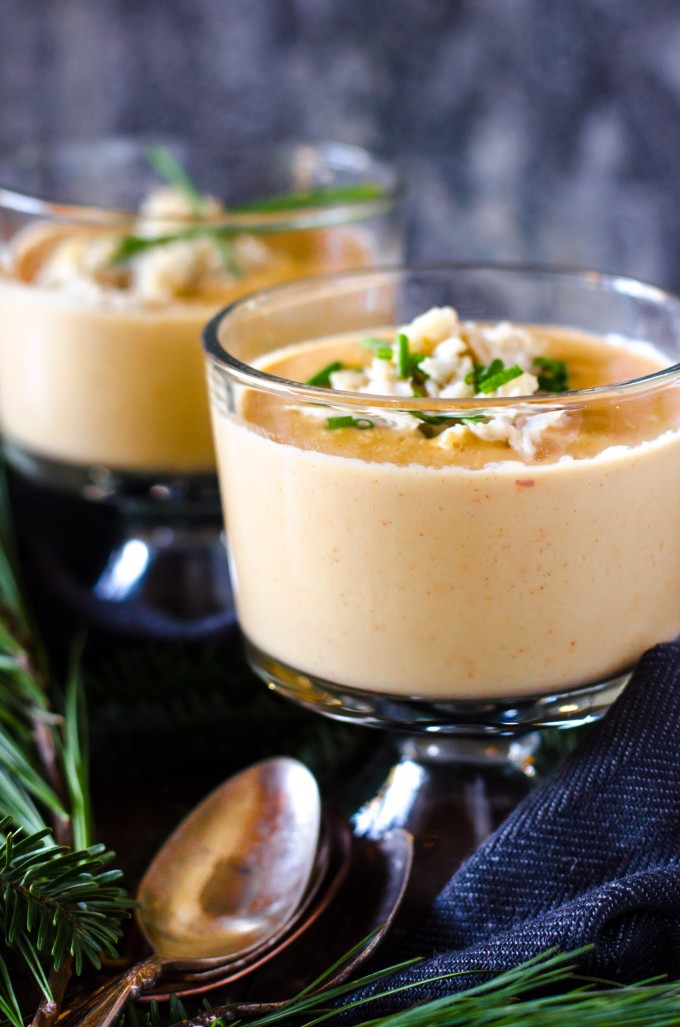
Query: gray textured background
(529, 129)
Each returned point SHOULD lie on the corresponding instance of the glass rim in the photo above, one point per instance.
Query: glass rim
(247, 375)
(387, 176)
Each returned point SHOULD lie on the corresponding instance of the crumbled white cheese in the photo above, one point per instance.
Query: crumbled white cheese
(526, 436)
(251, 252)
(81, 263)
(347, 380)
(452, 354)
(167, 209)
(524, 385)
(522, 433)
(498, 429)
(504, 341)
(382, 379)
(448, 360)
(455, 390)
(452, 438)
(431, 328)
(163, 272)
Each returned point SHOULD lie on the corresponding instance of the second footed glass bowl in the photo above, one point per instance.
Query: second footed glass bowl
(113, 255)
(451, 493)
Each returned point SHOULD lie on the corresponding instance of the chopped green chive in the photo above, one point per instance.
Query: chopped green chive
(362, 423)
(437, 419)
(481, 372)
(494, 381)
(323, 377)
(552, 374)
(228, 255)
(321, 197)
(168, 167)
(381, 348)
(487, 379)
(131, 245)
(403, 355)
(408, 364)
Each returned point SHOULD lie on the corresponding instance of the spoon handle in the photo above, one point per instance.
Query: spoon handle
(109, 1001)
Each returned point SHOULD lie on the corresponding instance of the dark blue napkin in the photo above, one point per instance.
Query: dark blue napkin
(592, 856)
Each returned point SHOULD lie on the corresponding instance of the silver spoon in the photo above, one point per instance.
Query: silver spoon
(356, 922)
(313, 905)
(228, 877)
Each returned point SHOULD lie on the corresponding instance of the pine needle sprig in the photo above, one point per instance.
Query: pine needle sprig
(546, 991)
(60, 904)
(57, 901)
(10, 1009)
(75, 754)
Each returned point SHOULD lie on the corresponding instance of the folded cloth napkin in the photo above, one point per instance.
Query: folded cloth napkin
(592, 856)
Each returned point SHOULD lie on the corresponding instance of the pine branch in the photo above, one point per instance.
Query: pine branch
(60, 908)
(545, 991)
(65, 903)
(75, 754)
(9, 1005)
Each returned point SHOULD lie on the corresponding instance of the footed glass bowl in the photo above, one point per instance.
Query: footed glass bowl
(483, 561)
(108, 275)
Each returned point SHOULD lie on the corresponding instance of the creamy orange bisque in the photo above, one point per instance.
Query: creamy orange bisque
(506, 551)
(100, 359)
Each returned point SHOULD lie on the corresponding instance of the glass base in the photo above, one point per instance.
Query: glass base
(180, 570)
(450, 793)
(466, 717)
(148, 560)
(153, 492)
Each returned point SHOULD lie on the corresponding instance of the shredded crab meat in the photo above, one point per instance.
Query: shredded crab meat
(447, 354)
(167, 209)
(82, 264)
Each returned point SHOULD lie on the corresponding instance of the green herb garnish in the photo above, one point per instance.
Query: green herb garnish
(403, 356)
(228, 254)
(347, 421)
(552, 374)
(436, 419)
(321, 197)
(382, 349)
(323, 377)
(132, 245)
(494, 381)
(487, 379)
(408, 364)
(435, 424)
(169, 168)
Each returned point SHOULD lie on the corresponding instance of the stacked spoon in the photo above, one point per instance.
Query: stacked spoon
(241, 881)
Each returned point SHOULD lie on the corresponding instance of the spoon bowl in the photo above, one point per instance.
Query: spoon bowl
(361, 915)
(231, 875)
(237, 866)
(314, 904)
